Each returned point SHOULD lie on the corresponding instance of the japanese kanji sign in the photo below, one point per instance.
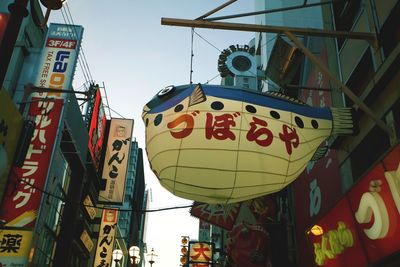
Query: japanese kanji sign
(22, 200)
(10, 129)
(106, 238)
(220, 144)
(200, 252)
(59, 57)
(116, 160)
(15, 247)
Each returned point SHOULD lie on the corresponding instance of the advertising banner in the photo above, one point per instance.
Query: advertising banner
(116, 160)
(59, 56)
(21, 203)
(10, 128)
(367, 220)
(15, 246)
(106, 238)
(96, 130)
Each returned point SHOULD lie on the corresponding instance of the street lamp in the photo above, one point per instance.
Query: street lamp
(134, 254)
(152, 257)
(117, 256)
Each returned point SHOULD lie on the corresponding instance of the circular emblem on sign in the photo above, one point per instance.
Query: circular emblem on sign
(166, 90)
(236, 60)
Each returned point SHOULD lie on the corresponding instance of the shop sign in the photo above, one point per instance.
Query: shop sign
(59, 56)
(200, 252)
(97, 127)
(10, 128)
(116, 161)
(15, 246)
(86, 240)
(106, 238)
(371, 211)
(89, 207)
(21, 203)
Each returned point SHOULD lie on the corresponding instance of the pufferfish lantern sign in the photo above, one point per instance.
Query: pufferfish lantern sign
(218, 144)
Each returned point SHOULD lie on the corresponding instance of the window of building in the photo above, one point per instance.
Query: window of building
(345, 13)
(390, 33)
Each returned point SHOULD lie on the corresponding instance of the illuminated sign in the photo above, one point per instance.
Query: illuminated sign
(200, 252)
(116, 160)
(333, 243)
(21, 203)
(96, 130)
(371, 211)
(217, 144)
(3, 24)
(15, 247)
(59, 57)
(10, 129)
(106, 238)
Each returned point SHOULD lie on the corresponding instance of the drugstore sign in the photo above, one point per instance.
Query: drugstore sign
(369, 213)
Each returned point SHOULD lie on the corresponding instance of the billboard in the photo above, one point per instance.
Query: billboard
(15, 246)
(21, 201)
(116, 160)
(59, 56)
(10, 128)
(106, 238)
(96, 130)
(364, 224)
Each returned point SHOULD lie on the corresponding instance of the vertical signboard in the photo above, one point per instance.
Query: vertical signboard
(96, 130)
(106, 238)
(15, 247)
(365, 224)
(10, 129)
(58, 59)
(116, 160)
(318, 188)
(22, 198)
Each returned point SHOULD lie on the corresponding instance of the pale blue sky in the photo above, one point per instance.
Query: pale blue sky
(128, 49)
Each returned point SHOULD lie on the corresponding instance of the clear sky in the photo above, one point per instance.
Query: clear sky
(128, 49)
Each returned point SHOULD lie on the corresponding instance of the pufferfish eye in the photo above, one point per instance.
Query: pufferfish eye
(168, 89)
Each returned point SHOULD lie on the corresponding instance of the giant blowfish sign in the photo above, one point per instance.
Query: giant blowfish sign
(219, 144)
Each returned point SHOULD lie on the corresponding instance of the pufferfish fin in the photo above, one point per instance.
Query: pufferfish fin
(320, 153)
(342, 121)
(284, 97)
(197, 96)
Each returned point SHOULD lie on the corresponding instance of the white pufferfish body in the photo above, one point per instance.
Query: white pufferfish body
(217, 144)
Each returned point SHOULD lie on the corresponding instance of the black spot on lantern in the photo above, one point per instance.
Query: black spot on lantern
(158, 119)
(216, 105)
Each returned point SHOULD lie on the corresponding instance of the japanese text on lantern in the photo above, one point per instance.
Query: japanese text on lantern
(219, 127)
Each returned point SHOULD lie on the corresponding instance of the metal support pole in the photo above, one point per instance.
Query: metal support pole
(17, 13)
(341, 85)
(367, 36)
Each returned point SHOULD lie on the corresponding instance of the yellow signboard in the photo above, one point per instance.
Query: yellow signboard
(14, 247)
(10, 129)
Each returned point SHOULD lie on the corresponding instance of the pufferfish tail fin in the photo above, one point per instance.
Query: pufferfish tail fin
(342, 121)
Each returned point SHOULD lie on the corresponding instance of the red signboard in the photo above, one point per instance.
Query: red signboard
(223, 216)
(96, 130)
(21, 201)
(3, 24)
(371, 211)
(318, 188)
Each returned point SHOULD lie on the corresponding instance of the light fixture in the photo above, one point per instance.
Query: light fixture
(117, 255)
(317, 230)
(51, 5)
(152, 257)
(134, 254)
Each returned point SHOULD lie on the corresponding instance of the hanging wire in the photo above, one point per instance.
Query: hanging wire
(206, 40)
(191, 57)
